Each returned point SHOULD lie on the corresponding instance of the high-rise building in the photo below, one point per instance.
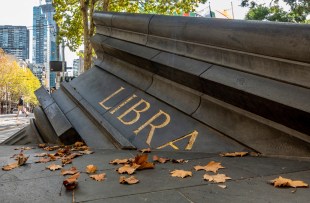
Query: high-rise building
(15, 40)
(45, 48)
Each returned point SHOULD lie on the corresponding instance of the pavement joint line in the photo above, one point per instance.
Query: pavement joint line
(183, 195)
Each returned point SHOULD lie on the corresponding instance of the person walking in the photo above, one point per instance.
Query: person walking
(20, 106)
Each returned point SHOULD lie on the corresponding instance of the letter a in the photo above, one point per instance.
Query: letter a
(189, 145)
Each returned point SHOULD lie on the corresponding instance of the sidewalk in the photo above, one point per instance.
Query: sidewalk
(9, 124)
(249, 179)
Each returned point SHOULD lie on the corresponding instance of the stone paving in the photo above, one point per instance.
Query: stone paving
(10, 124)
(250, 176)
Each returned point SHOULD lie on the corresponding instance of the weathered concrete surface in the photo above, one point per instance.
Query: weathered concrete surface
(250, 176)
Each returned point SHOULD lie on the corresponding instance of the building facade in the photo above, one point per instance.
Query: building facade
(45, 48)
(15, 40)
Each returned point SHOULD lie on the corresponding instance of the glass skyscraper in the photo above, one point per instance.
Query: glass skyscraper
(15, 40)
(44, 39)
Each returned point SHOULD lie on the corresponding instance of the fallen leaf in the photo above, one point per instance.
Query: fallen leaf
(126, 169)
(41, 155)
(48, 148)
(285, 182)
(73, 170)
(91, 169)
(21, 159)
(86, 152)
(10, 166)
(142, 161)
(54, 167)
(98, 177)
(234, 154)
(53, 157)
(119, 161)
(160, 159)
(255, 154)
(43, 160)
(222, 186)
(147, 150)
(179, 161)
(180, 173)
(131, 180)
(218, 178)
(27, 148)
(65, 161)
(211, 166)
(71, 182)
(41, 145)
(78, 144)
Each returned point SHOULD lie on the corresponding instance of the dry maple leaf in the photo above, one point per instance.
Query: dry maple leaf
(160, 159)
(131, 180)
(179, 161)
(142, 161)
(21, 159)
(53, 157)
(126, 169)
(218, 178)
(234, 154)
(181, 173)
(78, 144)
(10, 166)
(285, 182)
(211, 166)
(86, 152)
(91, 169)
(42, 145)
(43, 160)
(119, 161)
(71, 182)
(147, 150)
(54, 167)
(41, 155)
(98, 177)
(73, 170)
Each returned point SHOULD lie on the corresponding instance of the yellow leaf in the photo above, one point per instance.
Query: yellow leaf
(73, 170)
(131, 180)
(98, 177)
(10, 166)
(126, 169)
(219, 178)
(54, 167)
(285, 182)
(119, 161)
(91, 169)
(181, 173)
(211, 166)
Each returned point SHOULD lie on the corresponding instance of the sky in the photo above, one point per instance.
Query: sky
(19, 12)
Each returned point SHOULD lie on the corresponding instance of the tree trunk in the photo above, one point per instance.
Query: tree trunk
(87, 56)
(105, 6)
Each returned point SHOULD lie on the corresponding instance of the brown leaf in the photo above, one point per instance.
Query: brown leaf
(131, 180)
(91, 169)
(119, 161)
(234, 154)
(78, 144)
(181, 173)
(42, 145)
(53, 157)
(98, 177)
(21, 159)
(211, 166)
(10, 166)
(86, 152)
(160, 159)
(147, 150)
(41, 155)
(54, 167)
(179, 161)
(285, 182)
(218, 178)
(126, 169)
(142, 161)
(65, 161)
(73, 170)
(48, 148)
(255, 154)
(43, 160)
(71, 182)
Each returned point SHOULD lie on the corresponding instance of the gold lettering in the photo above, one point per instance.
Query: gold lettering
(153, 127)
(109, 97)
(133, 108)
(189, 145)
(122, 104)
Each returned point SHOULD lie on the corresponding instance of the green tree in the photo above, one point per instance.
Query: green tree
(76, 26)
(298, 12)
